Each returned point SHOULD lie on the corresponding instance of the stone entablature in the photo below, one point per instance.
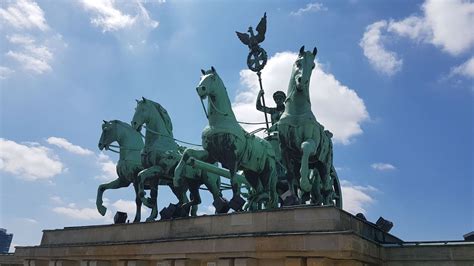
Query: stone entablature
(290, 236)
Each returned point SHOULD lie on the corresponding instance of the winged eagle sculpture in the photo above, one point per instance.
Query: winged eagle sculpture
(257, 57)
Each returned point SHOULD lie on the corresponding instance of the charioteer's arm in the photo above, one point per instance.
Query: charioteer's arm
(259, 105)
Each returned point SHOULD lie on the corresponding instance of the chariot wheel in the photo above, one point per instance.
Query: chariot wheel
(257, 59)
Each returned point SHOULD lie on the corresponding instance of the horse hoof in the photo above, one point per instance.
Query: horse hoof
(147, 202)
(291, 201)
(221, 205)
(305, 185)
(236, 203)
(102, 210)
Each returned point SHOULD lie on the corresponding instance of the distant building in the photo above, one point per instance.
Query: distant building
(5, 241)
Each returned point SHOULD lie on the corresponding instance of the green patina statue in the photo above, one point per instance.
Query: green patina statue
(257, 57)
(292, 165)
(226, 142)
(306, 148)
(128, 166)
(161, 155)
(275, 112)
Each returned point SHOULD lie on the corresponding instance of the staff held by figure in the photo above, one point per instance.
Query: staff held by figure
(256, 61)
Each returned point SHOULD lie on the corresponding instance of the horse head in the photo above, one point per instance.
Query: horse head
(302, 68)
(142, 114)
(109, 134)
(207, 85)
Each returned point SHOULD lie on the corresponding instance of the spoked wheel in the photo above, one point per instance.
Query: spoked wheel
(257, 59)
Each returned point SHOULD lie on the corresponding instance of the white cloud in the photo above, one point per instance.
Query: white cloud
(108, 168)
(31, 42)
(108, 15)
(127, 206)
(70, 210)
(56, 199)
(24, 14)
(444, 24)
(383, 166)
(207, 210)
(451, 23)
(33, 57)
(356, 198)
(5, 72)
(382, 60)
(336, 106)
(28, 162)
(466, 69)
(413, 27)
(128, 21)
(65, 144)
(82, 213)
(310, 7)
(29, 220)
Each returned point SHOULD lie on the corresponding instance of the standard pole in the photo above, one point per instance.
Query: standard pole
(259, 74)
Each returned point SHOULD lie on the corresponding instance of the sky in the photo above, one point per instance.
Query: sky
(393, 81)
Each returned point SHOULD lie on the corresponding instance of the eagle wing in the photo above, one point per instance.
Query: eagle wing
(244, 37)
(261, 28)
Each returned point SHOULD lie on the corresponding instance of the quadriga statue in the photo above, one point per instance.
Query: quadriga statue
(128, 166)
(226, 142)
(306, 147)
(160, 156)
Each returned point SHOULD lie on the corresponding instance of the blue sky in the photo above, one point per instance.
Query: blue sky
(394, 82)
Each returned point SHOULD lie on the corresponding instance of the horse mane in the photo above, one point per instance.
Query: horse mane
(121, 122)
(164, 116)
(124, 124)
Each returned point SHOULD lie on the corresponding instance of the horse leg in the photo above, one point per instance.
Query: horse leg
(180, 193)
(212, 183)
(117, 183)
(316, 196)
(308, 148)
(272, 185)
(337, 187)
(143, 176)
(188, 153)
(154, 197)
(138, 203)
(234, 181)
(290, 178)
(195, 197)
(327, 189)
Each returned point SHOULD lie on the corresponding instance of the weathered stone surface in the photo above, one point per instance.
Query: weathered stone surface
(296, 219)
(295, 236)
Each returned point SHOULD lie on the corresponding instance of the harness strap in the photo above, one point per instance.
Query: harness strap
(159, 134)
(217, 110)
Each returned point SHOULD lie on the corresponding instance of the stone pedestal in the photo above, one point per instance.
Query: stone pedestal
(300, 236)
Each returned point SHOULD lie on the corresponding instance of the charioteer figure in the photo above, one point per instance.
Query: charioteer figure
(275, 112)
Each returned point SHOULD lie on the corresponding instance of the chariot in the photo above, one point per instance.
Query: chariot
(292, 165)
